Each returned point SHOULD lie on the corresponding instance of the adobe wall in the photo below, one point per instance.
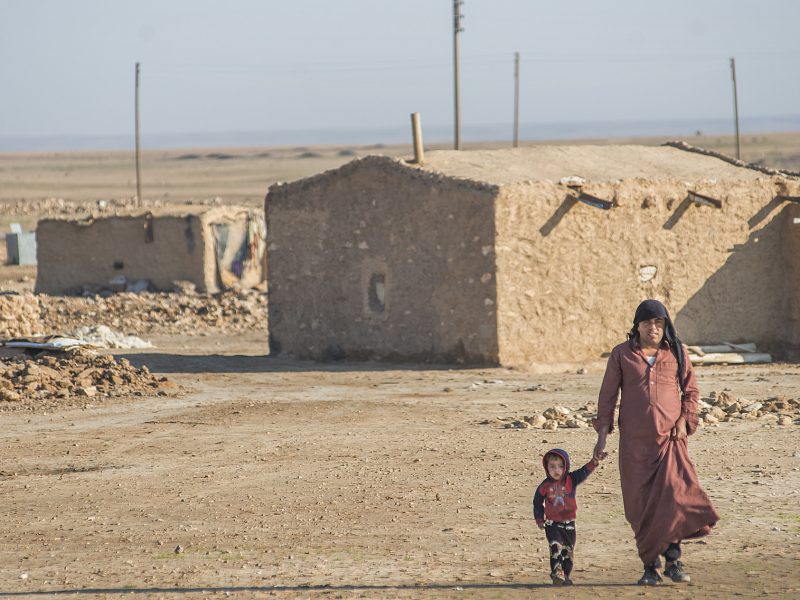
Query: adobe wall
(73, 253)
(382, 261)
(570, 276)
(791, 257)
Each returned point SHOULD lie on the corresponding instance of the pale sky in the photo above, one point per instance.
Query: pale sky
(67, 66)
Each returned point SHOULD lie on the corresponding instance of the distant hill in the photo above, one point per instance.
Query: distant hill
(432, 133)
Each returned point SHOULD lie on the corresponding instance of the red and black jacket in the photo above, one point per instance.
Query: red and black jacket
(554, 500)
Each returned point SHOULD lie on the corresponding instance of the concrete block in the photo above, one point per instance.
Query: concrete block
(21, 248)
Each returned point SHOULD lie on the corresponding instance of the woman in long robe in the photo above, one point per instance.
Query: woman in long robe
(663, 500)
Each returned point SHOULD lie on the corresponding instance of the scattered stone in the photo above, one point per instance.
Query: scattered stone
(716, 412)
(716, 408)
(536, 420)
(558, 413)
(722, 399)
(535, 387)
(721, 407)
(89, 391)
(552, 418)
(551, 414)
(736, 407)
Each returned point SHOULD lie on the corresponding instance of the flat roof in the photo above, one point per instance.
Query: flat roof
(592, 163)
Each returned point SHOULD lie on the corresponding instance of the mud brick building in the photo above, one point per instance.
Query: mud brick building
(214, 248)
(527, 255)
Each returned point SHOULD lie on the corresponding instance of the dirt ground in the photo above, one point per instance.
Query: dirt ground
(307, 480)
(268, 477)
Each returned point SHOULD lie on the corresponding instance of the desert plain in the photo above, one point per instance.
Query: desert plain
(261, 476)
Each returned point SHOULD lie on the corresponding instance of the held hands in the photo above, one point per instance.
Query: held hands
(679, 431)
(600, 448)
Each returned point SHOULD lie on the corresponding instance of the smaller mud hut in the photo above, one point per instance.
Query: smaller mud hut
(212, 248)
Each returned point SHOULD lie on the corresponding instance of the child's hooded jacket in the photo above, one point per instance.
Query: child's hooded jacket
(554, 500)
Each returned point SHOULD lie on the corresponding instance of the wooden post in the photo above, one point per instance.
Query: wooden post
(724, 347)
(516, 100)
(456, 75)
(731, 358)
(416, 132)
(136, 108)
(736, 108)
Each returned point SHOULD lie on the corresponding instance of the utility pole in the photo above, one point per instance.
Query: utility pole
(516, 99)
(736, 108)
(136, 109)
(457, 16)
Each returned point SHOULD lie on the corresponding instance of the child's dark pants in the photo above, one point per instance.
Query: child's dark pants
(561, 537)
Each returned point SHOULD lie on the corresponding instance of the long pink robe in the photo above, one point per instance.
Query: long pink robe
(660, 490)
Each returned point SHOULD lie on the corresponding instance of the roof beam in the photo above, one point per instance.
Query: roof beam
(706, 200)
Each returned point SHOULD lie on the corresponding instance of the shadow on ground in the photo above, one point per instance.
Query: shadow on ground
(309, 588)
(226, 363)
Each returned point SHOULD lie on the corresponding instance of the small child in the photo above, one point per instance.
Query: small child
(554, 509)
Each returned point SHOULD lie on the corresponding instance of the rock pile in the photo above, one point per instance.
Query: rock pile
(150, 312)
(722, 407)
(718, 407)
(74, 377)
(19, 315)
(556, 417)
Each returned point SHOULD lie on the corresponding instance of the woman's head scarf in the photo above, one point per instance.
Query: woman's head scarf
(653, 309)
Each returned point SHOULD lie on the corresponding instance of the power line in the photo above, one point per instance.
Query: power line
(488, 59)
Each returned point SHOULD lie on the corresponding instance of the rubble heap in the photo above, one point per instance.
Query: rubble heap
(151, 312)
(556, 417)
(74, 377)
(19, 315)
(723, 407)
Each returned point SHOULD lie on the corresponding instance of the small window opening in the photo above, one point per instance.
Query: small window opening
(377, 292)
(118, 265)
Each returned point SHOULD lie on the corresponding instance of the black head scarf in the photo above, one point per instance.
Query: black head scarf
(653, 309)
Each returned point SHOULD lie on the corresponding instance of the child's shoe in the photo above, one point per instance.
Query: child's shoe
(674, 570)
(650, 577)
(567, 581)
(557, 575)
